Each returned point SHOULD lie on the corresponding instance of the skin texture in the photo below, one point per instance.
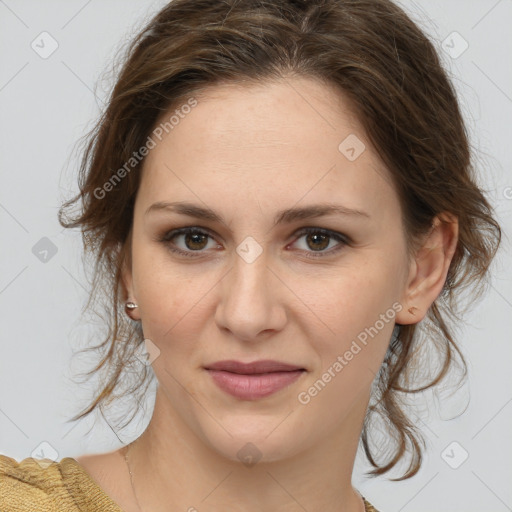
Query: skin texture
(247, 152)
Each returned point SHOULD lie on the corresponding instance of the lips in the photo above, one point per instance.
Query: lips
(253, 381)
(264, 366)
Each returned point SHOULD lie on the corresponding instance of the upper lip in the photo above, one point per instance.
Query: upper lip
(264, 366)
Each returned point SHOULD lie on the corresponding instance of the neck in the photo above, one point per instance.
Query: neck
(174, 469)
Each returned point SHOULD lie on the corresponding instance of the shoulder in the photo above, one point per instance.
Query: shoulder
(47, 485)
(32, 483)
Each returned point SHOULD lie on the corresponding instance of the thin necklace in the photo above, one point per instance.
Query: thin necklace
(131, 476)
(135, 494)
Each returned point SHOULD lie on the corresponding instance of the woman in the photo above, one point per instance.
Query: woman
(280, 196)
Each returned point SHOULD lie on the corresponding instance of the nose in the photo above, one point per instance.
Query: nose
(251, 301)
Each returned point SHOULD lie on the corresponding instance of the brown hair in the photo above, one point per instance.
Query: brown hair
(373, 53)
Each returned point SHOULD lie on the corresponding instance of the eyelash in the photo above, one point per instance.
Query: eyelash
(343, 239)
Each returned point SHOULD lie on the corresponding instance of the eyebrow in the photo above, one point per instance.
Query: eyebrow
(284, 216)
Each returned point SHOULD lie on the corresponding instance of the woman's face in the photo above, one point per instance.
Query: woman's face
(244, 287)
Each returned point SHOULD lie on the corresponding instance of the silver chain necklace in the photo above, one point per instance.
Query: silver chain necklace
(131, 477)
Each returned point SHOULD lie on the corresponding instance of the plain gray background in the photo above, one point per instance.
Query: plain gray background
(48, 101)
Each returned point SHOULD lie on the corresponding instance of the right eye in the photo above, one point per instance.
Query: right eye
(194, 240)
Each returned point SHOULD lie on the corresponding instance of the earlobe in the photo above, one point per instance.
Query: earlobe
(129, 297)
(429, 269)
(130, 303)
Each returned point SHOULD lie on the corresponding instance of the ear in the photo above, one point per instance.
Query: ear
(429, 269)
(127, 278)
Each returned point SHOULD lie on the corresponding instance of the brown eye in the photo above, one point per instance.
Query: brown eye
(186, 241)
(317, 241)
(195, 240)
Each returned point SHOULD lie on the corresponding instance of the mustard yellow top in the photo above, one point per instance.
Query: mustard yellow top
(42, 485)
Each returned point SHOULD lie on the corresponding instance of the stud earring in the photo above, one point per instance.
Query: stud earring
(411, 310)
(131, 305)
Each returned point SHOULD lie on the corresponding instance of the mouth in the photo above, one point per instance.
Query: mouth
(253, 381)
(256, 367)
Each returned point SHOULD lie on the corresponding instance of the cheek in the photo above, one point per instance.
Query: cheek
(353, 315)
(169, 297)
(350, 343)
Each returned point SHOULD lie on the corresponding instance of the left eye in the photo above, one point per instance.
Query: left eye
(320, 239)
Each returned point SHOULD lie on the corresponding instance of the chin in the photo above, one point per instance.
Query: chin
(251, 443)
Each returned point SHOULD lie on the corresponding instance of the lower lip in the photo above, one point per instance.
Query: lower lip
(253, 387)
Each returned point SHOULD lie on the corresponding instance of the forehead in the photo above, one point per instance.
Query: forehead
(281, 114)
(287, 141)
